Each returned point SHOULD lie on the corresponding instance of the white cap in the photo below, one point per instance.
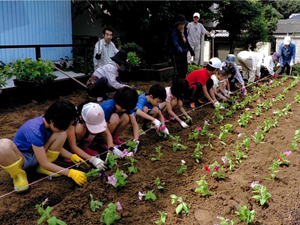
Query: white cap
(196, 15)
(215, 62)
(287, 40)
(93, 115)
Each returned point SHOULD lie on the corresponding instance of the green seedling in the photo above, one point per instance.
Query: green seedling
(197, 153)
(245, 215)
(194, 134)
(239, 155)
(182, 207)
(263, 194)
(225, 221)
(218, 170)
(118, 179)
(111, 160)
(109, 215)
(131, 146)
(203, 187)
(150, 196)
(182, 168)
(132, 168)
(92, 173)
(160, 185)
(244, 119)
(45, 214)
(225, 130)
(163, 218)
(258, 136)
(228, 159)
(159, 154)
(205, 128)
(95, 204)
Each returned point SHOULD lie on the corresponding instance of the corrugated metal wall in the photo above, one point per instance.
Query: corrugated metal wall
(29, 22)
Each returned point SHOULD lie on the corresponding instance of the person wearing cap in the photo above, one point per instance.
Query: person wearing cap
(201, 84)
(195, 30)
(180, 47)
(90, 123)
(287, 52)
(119, 113)
(250, 62)
(104, 49)
(267, 67)
(230, 63)
(105, 78)
(39, 142)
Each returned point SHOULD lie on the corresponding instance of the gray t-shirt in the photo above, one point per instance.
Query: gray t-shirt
(194, 31)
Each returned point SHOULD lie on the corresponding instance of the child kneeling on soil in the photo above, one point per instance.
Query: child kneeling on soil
(217, 87)
(175, 94)
(40, 141)
(147, 108)
(119, 112)
(225, 85)
(91, 121)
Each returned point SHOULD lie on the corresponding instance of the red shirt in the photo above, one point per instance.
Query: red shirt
(198, 76)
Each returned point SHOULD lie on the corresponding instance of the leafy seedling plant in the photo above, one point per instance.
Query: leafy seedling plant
(263, 194)
(182, 207)
(163, 218)
(132, 168)
(197, 153)
(92, 173)
(245, 215)
(228, 159)
(119, 178)
(203, 187)
(109, 215)
(225, 130)
(45, 214)
(273, 168)
(111, 160)
(150, 196)
(239, 155)
(244, 119)
(160, 185)
(131, 146)
(258, 136)
(194, 134)
(205, 128)
(94, 204)
(225, 221)
(159, 154)
(218, 170)
(182, 168)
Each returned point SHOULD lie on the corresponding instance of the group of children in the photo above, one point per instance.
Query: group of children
(68, 131)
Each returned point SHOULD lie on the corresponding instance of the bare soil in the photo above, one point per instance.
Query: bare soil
(71, 203)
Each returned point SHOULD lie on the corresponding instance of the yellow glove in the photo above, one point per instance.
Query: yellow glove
(76, 159)
(78, 176)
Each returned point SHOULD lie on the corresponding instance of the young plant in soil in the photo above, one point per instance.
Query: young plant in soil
(228, 159)
(239, 155)
(244, 119)
(109, 215)
(218, 170)
(131, 146)
(203, 187)
(205, 128)
(197, 153)
(94, 204)
(182, 207)
(45, 214)
(245, 215)
(111, 160)
(92, 173)
(258, 136)
(178, 146)
(150, 196)
(263, 194)
(225, 130)
(163, 218)
(160, 185)
(118, 179)
(182, 168)
(132, 168)
(194, 134)
(159, 154)
(225, 221)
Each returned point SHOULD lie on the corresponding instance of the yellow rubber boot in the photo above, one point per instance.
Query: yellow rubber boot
(18, 175)
(51, 156)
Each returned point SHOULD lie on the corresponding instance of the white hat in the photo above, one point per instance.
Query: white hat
(196, 15)
(93, 115)
(287, 40)
(215, 63)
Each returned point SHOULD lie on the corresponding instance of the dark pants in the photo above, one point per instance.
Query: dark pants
(196, 90)
(180, 65)
(281, 69)
(264, 72)
(98, 87)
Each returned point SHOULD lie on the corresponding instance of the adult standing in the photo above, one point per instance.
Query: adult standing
(195, 29)
(267, 67)
(180, 47)
(104, 49)
(287, 52)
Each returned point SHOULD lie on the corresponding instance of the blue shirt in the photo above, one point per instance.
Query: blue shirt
(286, 54)
(32, 132)
(109, 107)
(142, 101)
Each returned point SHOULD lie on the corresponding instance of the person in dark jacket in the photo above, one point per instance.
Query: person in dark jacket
(180, 47)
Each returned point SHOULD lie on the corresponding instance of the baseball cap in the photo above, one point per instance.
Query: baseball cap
(93, 115)
(196, 15)
(215, 62)
(287, 40)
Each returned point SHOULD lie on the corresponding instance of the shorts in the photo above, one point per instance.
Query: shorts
(30, 160)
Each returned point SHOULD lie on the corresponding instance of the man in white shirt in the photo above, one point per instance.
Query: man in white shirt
(104, 49)
(195, 29)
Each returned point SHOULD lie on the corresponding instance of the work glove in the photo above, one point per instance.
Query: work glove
(278, 64)
(244, 90)
(78, 176)
(164, 130)
(156, 124)
(212, 35)
(98, 163)
(229, 93)
(183, 124)
(76, 159)
(291, 64)
(116, 151)
(137, 145)
(98, 56)
(217, 104)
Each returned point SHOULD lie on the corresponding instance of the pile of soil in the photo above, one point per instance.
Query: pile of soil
(71, 203)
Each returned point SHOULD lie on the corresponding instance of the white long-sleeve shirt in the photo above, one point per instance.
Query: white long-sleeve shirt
(106, 51)
(269, 64)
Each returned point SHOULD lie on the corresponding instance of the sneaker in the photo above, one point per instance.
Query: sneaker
(116, 139)
(191, 105)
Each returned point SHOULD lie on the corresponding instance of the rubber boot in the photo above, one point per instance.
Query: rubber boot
(85, 147)
(116, 139)
(18, 175)
(51, 156)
